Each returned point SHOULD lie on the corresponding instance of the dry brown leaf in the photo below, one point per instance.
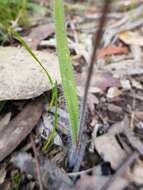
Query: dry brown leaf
(110, 150)
(39, 33)
(21, 77)
(14, 133)
(100, 80)
(131, 38)
(111, 50)
(113, 92)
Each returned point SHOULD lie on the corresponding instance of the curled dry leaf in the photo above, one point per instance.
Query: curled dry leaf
(13, 134)
(21, 77)
(109, 149)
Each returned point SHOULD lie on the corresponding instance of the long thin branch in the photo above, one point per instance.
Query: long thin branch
(98, 37)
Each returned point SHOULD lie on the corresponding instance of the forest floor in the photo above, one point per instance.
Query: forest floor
(112, 155)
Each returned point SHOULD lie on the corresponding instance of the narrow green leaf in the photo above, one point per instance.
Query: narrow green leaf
(53, 132)
(23, 43)
(53, 86)
(66, 69)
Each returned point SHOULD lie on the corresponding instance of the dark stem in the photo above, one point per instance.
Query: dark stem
(97, 40)
(77, 151)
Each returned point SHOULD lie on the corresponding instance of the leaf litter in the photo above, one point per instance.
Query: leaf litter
(115, 128)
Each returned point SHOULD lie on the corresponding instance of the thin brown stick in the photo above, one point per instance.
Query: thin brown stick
(98, 37)
(37, 163)
(77, 152)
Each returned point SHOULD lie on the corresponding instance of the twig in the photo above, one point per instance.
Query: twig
(77, 152)
(37, 163)
(81, 172)
(98, 38)
(129, 160)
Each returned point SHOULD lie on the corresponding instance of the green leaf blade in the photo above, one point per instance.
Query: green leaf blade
(66, 69)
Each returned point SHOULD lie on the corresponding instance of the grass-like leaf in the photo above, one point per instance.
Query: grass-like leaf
(66, 69)
(53, 86)
(24, 44)
(53, 132)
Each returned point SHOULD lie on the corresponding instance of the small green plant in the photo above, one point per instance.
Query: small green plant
(66, 69)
